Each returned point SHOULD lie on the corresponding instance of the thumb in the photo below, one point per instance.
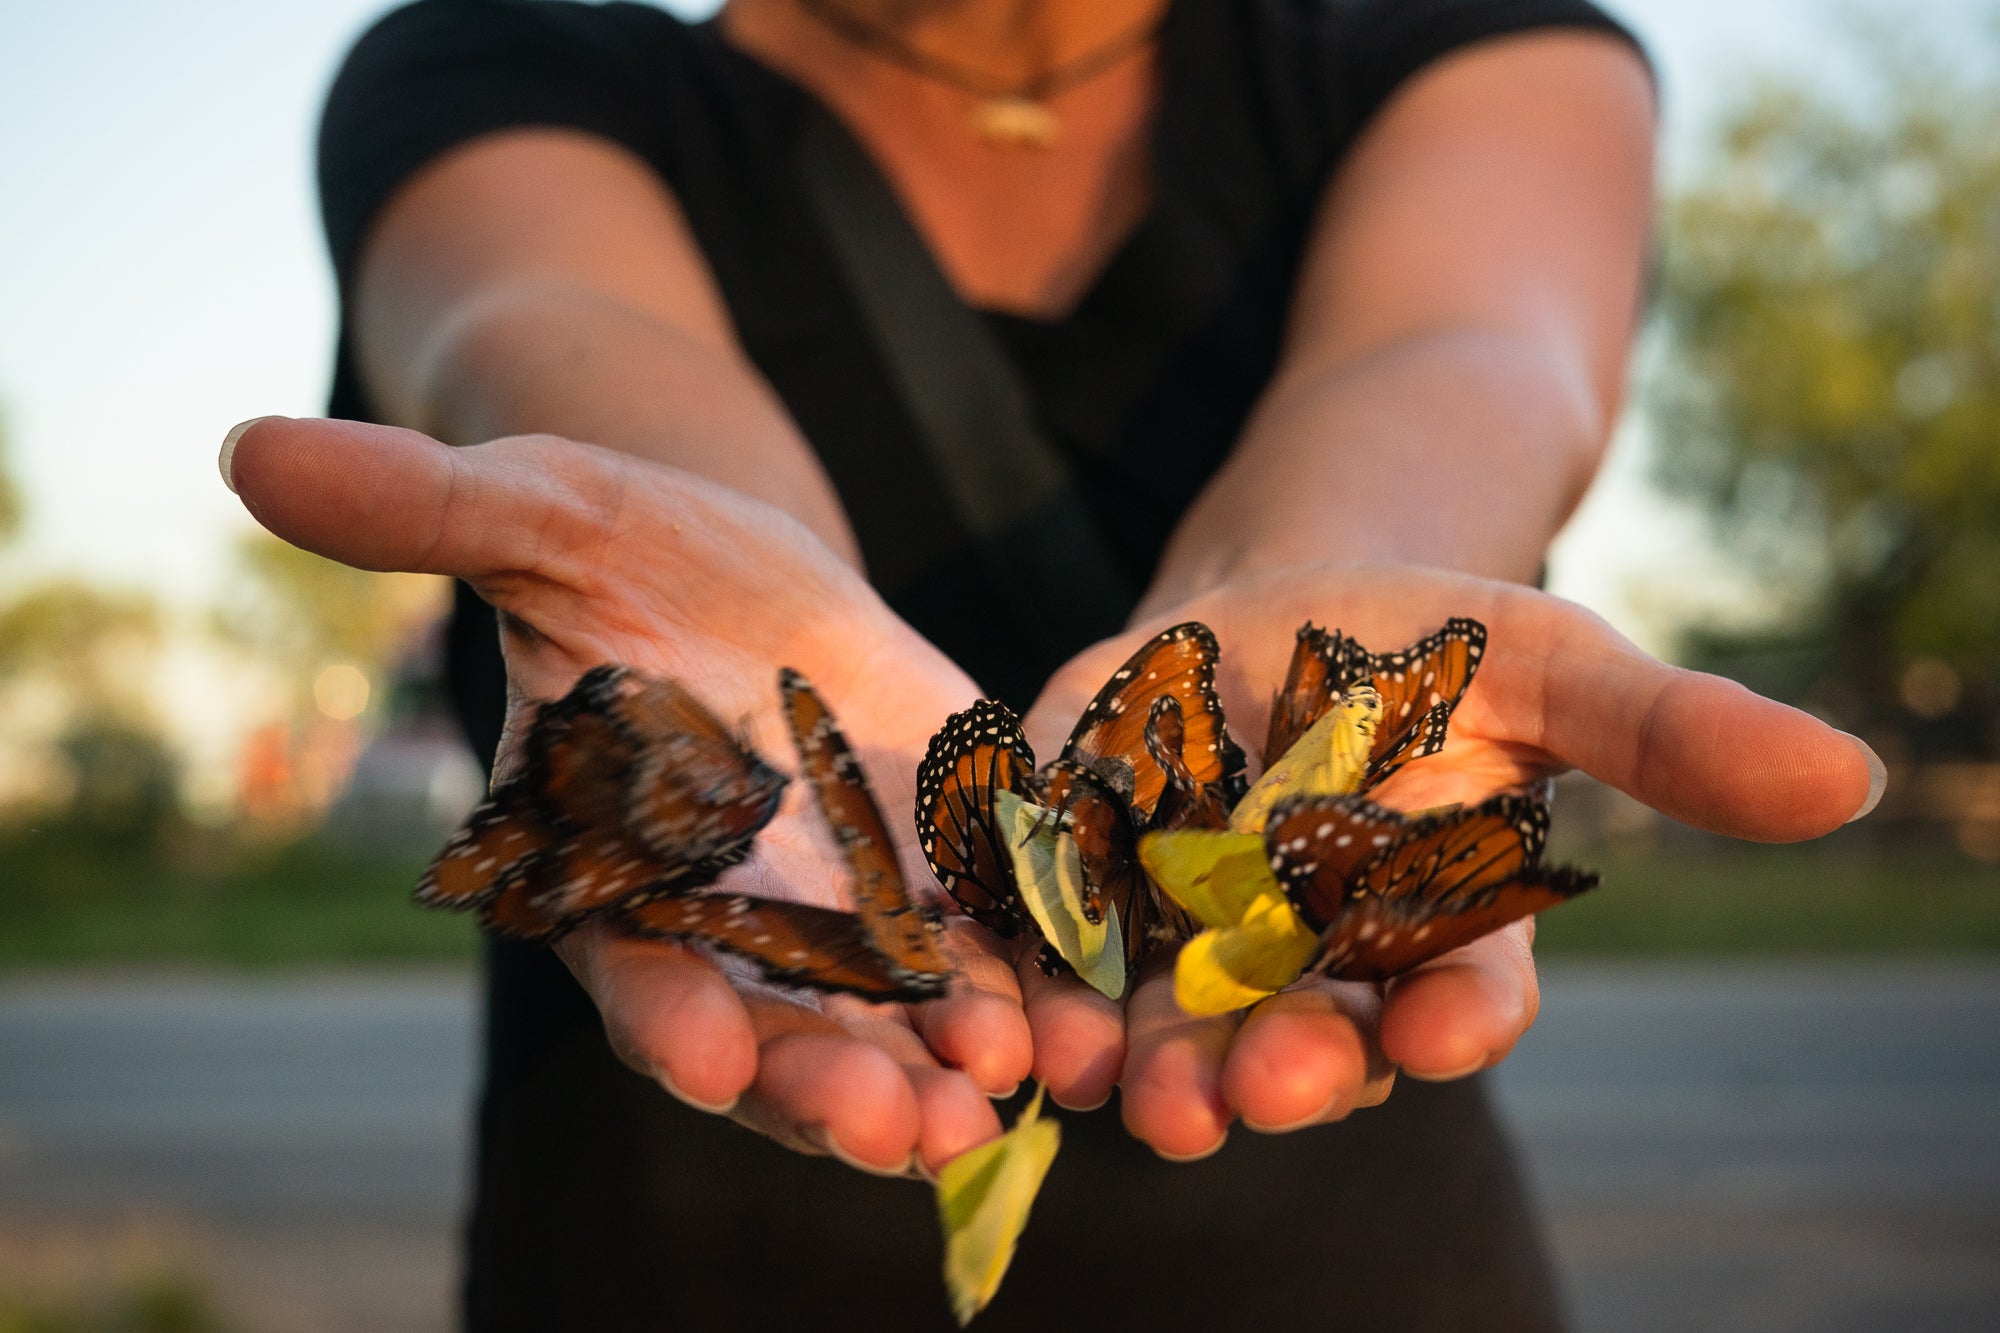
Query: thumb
(383, 498)
(1697, 747)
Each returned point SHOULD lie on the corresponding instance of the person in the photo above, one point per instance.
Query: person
(1319, 309)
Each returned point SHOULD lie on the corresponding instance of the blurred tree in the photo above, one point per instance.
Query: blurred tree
(87, 635)
(313, 613)
(10, 495)
(1832, 299)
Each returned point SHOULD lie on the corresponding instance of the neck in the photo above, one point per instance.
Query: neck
(1009, 40)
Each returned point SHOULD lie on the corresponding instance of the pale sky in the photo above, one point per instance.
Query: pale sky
(162, 277)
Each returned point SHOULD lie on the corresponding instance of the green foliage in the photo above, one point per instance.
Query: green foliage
(71, 626)
(310, 610)
(164, 1303)
(12, 508)
(126, 782)
(67, 898)
(1832, 293)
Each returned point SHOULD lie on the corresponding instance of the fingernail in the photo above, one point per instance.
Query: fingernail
(1300, 1123)
(1878, 778)
(819, 1137)
(1447, 1077)
(1067, 1106)
(713, 1108)
(226, 460)
(1006, 1092)
(1180, 1158)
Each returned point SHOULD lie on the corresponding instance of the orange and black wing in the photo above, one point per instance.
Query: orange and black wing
(1390, 892)
(1382, 937)
(790, 942)
(1420, 687)
(1319, 845)
(695, 791)
(901, 932)
(1325, 663)
(582, 828)
(1110, 737)
(496, 839)
(976, 755)
(1185, 801)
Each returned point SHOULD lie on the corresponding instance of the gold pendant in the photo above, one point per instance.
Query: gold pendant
(1016, 122)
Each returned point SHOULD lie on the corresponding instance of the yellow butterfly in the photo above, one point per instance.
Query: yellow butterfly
(1256, 943)
(1048, 870)
(983, 1200)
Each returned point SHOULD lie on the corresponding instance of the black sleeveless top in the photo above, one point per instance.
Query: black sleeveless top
(603, 1204)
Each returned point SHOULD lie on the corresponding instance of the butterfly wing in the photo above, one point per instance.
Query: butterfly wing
(696, 792)
(1382, 937)
(1420, 686)
(1185, 801)
(1389, 891)
(975, 756)
(561, 841)
(901, 932)
(790, 942)
(1107, 846)
(1177, 663)
(496, 838)
(1324, 664)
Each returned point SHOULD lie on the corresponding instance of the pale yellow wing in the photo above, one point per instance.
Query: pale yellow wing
(983, 1200)
(1331, 759)
(1255, 944)
(1049, 873)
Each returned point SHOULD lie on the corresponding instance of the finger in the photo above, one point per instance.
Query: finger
(669, 1014)
(379, 497)
(953, 1113)
(1697, 747)
(1079, 1037)
(980, 1026)
(1464, 1011)
(829, 1090)
(1172, 1082)
(1306, 1056)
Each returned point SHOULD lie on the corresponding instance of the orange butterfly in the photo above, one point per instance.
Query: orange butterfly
(1420, 686)
(633, 797)
(1388, 891)
(1110, 738)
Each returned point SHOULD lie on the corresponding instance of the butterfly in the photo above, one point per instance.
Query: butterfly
(1177, 664)
(1388, 891)
(628, 788)
(631, 799)
(1419, 688)
(975, 756)
(901, 932)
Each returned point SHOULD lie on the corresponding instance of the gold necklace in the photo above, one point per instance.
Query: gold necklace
(1007, 113)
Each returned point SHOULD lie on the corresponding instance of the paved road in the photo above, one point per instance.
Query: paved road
(1758, 1147)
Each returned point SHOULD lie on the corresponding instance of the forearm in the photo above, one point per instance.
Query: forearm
(1462, 450)
(570, 362)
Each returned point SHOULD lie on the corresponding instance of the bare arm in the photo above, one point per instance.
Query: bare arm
(1448, 384)
(545, 280)
(540, 284)
(1458, 345)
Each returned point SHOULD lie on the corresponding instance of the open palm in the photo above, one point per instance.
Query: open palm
(592, 556)
(1557, 689)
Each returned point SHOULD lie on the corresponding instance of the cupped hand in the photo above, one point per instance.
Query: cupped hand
(592, 556)
(1557, 689)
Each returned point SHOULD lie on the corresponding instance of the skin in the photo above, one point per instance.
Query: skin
(1468, 295)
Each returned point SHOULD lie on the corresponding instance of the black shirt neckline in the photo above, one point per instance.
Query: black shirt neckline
(1136, 261)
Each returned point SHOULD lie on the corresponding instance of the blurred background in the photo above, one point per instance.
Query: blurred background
(234, 1061)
